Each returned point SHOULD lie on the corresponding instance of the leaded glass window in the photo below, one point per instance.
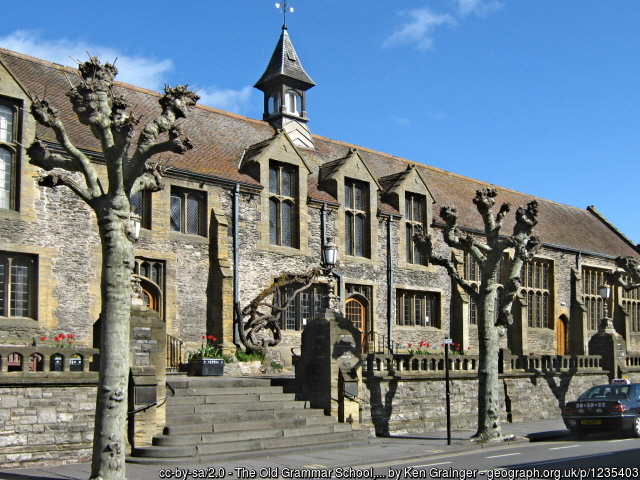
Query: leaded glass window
(17, 285)
(6, 124)
(307, 306)
(417, 309)
(356, 218)
(9, 147)
(141, 204)
(414, 215)
(282, 205)
(536, 281)
(187, 211)
(592, 280)
(6, 169)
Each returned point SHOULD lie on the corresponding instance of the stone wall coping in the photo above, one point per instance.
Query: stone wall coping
(39, 379)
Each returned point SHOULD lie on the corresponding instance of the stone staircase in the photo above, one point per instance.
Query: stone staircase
(213, 419)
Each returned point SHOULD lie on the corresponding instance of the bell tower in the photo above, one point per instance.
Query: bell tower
(285, 84)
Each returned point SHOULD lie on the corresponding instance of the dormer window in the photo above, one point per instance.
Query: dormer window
(294, 102)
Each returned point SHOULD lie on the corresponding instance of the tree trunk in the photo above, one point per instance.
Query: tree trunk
(109, 439)
(488, 378)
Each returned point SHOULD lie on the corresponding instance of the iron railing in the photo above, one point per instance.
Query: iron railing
(174, 354)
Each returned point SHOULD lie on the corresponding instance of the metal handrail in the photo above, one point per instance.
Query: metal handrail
(174, 353)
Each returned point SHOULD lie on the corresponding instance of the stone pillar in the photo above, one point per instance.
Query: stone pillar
(329, 371)
(611, 345)
(148, 360)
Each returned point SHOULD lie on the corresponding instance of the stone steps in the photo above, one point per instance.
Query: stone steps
(224, 418)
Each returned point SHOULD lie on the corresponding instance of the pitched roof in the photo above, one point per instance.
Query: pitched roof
(285, 61)
(220, 139)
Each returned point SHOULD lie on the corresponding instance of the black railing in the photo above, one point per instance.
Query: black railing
(376, 343)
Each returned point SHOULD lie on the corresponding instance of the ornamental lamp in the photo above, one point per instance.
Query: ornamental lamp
(329, 254)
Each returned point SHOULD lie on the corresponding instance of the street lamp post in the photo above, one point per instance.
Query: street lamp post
(329, 261)
(605, 293)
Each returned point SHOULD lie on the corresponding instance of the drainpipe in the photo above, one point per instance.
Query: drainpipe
(390, 280)
(236, 291)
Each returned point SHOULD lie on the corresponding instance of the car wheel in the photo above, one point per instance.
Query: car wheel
(578, 433)
(635, 430)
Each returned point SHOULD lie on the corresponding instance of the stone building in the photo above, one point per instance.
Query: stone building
(256, 198)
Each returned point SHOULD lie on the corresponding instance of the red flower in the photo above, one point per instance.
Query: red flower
(71, 335)
(43, 338)
(468, 348)
(57, 339)
(62, 335)
(442, 344)
(409, 344)
(212, 338)
(422, 343)
(427, 345)
(204, 336)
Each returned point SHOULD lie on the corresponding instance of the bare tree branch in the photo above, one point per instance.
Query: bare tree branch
(424, 243)
(53, 179)
(48, 116)
(150, 180)
(175, 104)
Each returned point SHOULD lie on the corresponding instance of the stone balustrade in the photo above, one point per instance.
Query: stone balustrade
(433, 364)
(556, 363)
(35, 359)
(632, 362)
(406, 364)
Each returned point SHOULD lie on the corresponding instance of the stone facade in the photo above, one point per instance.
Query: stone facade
(47, 424)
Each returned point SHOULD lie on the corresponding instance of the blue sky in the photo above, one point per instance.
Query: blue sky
(540, 96)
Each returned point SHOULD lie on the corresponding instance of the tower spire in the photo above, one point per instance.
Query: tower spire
(285, 85)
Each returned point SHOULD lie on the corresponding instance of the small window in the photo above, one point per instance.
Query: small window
(273, 106)
(294, 102)
(188, 211)
(18, 292)
(141, 204)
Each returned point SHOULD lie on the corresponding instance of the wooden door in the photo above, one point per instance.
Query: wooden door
(356, 312)
(561, 336)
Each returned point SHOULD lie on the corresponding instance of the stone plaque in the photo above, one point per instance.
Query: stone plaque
(145, 395)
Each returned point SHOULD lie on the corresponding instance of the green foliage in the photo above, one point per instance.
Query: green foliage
(207, 350)
(254, 356)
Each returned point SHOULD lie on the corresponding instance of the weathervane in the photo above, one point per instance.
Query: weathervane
(284, 6)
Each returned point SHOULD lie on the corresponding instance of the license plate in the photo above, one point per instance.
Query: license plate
(590, 422)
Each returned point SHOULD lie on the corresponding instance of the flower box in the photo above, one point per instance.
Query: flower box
(206, 366)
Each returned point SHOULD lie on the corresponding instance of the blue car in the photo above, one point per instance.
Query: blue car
(604, 408)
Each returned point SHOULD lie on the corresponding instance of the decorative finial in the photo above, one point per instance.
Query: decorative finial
(284, 7)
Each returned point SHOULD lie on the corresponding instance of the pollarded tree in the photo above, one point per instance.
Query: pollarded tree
(127, 172)
(488, 252)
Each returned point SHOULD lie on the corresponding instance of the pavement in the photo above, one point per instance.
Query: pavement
(383, 451)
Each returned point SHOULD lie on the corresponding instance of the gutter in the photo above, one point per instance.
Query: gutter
(390, 288)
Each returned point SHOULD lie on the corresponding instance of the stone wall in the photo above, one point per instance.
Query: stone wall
(49, 423)
(403, 405)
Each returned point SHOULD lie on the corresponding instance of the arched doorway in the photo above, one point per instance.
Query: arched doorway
(356, 312)
(562, 337)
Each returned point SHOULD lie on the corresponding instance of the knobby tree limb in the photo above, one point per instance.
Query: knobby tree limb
(488, 255)
(108, 117)
(253, 330)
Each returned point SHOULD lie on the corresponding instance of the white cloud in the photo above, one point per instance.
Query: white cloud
(230, 100)
(136, 70)
(420, 29)
(479, 7)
